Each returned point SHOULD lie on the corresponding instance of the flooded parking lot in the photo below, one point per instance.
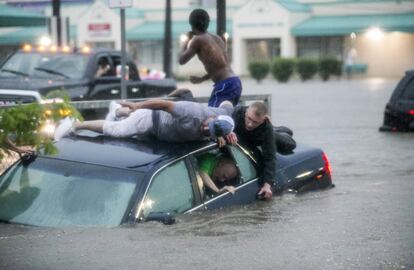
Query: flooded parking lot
(365, 222)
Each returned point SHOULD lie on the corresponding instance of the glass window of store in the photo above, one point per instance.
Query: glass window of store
(262, 49)
(147, 52)
(315, 47)
(203, 3)
(101, 45)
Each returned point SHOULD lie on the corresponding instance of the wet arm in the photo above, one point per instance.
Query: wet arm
(211, 185)
(18, 149)
(195, 79)
(188, 51)
(208, 182)
(206, 77)
(269, 157)
(155, 104)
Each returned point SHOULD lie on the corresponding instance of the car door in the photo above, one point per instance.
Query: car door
(170, 190)
(247, 185)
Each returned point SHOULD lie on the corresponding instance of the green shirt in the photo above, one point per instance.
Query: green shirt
(207, 163)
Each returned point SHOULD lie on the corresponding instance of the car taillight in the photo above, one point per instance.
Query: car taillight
(327, 165)
(411, 112)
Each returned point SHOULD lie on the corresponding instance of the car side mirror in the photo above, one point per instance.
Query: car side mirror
(164, 217)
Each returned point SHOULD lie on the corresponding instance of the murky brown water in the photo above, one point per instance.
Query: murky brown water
(366, 222)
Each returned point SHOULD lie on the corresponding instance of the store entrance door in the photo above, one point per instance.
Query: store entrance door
(262, 49)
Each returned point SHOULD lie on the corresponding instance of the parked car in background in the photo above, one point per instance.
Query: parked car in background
(101, 181)
(83, 74)
(399, 111)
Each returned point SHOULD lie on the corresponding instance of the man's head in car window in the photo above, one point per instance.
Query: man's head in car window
(255, 115)
(224, 171)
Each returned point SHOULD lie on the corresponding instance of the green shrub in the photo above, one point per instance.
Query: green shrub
(259, 69)
(307, 68)
(180, 78)
(328, 66)
(338, 68)
(282, 69)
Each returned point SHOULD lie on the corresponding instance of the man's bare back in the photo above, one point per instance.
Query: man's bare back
(211, 50)
(212, 53)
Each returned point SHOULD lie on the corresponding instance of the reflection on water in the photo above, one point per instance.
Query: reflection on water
(365, 222)
(229, 221)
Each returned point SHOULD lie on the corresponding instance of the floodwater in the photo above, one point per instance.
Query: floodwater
(365, 222)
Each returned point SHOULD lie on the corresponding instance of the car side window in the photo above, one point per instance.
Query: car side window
(247, 169)
(409, 90)
(206, 163)
(103, 67)
(131, 68)
(170, 191)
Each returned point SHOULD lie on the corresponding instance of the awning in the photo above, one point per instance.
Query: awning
(11, 16)
(343, 25)
(30, 35)
(134, 13)
(155, 30)
(17, 36)
(293, 5)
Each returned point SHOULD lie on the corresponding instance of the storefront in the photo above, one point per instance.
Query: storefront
(99, 27)
(261, 32)
(373, 33)
(373, 40)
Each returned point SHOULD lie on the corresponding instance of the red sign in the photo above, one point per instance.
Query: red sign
(99, 29)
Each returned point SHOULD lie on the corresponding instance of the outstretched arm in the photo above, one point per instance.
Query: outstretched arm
(196, 79)
(188, 50)
(269, 163)
(155, 104)
(210, 184)
(18, 149)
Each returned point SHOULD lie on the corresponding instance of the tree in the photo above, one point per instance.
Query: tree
(24, 125)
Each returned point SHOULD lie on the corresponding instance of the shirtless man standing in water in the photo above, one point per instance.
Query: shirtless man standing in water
(211, 50)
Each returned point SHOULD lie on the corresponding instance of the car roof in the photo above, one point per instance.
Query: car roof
(409, 72)
(128, 153)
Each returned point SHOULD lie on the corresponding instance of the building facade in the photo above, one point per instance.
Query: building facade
(376, 34)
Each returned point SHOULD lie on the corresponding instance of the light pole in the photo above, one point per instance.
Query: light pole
(56, 16)
(167, 40)
(221, 18)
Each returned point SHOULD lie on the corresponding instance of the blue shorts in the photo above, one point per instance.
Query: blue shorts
(228, 89)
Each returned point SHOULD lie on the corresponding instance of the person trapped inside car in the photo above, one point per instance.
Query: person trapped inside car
(217, 173)
(211, 50)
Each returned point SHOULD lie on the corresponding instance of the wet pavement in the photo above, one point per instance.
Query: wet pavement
(365, 222)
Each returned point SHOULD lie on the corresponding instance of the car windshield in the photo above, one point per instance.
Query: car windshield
(45, 65)
(57, 193)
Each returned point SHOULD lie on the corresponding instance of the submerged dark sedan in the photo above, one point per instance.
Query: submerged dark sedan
(100, 181)
(399, 111)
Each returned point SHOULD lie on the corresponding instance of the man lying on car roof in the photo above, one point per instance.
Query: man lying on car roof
(166, 120)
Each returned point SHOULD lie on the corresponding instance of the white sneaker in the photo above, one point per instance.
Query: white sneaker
(113, 106)
(64, 128)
